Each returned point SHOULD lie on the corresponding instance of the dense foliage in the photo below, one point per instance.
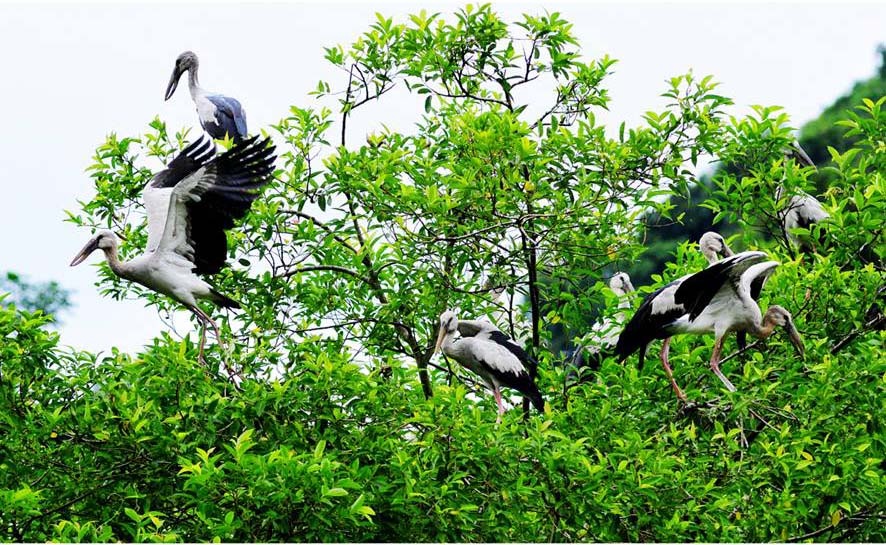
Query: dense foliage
(344, 427)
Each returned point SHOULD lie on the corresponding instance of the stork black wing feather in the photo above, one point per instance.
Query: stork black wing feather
(697, 290)
(528, 361)
(239, 173)
(189, 161)
(646, 326)
(522, 382)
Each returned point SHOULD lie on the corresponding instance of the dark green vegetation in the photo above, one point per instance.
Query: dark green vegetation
(343, 428)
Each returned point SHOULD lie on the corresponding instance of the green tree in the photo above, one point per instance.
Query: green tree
(48, 297)
(343, 429)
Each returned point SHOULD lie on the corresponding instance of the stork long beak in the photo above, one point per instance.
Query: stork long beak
(794, 335)
(440, 336)
(173, 82)
(727, 251)
(90, 247)
(800, 155)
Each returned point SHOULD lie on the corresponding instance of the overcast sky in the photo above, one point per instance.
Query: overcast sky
(74, 73)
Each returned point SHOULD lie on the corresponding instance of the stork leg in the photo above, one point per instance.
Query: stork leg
(200, 317)
(715, 363)
(501, 408)
(205, 318)
(664, 361)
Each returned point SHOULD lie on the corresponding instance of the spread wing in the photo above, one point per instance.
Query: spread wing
(697, 290)
(158, 192)
(206, 203)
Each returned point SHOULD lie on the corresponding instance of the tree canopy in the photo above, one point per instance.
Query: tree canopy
(346, 427)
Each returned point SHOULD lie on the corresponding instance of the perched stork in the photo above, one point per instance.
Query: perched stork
(482, 329)
(189, 206)
(801, 210)
(604, 334)
(715, 300)
(219, 115)
(496, 363)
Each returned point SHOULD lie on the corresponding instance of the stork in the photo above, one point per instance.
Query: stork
(605, 333)
(496, 363)
(189, 206)
(219, 115)
(483, 329)
(801, 210)
(715, 300)
(713, 247)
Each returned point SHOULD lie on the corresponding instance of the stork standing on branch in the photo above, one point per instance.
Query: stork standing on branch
(715, 300)
(189, 206)
(496, 363)
(801, 211)
(219, 115)
(604, 334)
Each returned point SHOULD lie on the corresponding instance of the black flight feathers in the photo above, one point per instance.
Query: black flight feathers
(248, 157)
(236, 175)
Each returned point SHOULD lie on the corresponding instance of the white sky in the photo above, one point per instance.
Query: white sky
(74, 73)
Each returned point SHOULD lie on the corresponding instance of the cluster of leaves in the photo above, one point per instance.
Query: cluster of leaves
(49, 297)
(343, 428)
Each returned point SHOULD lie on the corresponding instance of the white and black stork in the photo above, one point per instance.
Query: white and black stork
(489, 353)
(715, 300)
(799, 211)
(604, 333)
(219, 115)
(189, 206)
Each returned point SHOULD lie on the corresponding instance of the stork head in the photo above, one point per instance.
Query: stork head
(777, 315)
(620, 283)
(186, 61)
(448, 324)
(103, 240)
(713, 247)
(796, 152)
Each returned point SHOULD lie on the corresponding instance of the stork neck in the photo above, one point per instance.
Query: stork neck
(193, 83)
(119, 268)
(764, 330)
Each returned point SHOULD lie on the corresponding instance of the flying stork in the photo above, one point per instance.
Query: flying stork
(189, 206)
(219, 115)
(496, 363)
(604, 334)
(715, 300)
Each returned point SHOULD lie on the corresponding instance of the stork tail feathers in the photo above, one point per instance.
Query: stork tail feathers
(223, 300)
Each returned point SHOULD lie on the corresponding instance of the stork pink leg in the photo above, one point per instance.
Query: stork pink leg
(501, 408)
(715, 363)
(664, 361)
